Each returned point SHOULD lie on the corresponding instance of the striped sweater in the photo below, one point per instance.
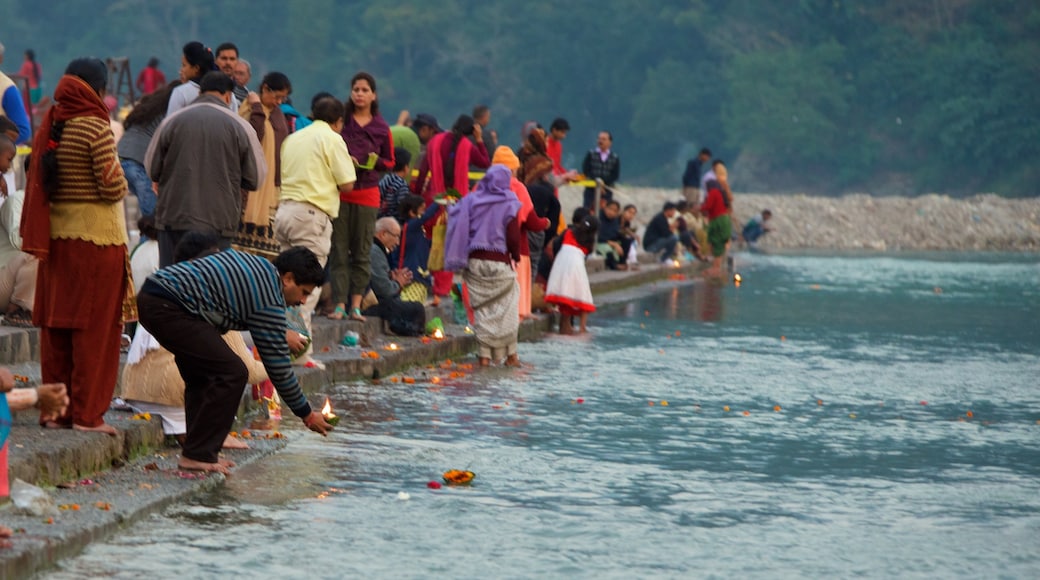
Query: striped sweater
(88, 165)
(237, 291)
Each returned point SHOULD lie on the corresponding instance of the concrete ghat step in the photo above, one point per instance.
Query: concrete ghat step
(19, 345)
(39, 457)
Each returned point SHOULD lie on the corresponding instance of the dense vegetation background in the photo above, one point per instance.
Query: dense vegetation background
(826, 96)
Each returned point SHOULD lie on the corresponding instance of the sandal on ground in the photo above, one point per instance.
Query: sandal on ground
(338, 314)
(20, 318)
(355, 314)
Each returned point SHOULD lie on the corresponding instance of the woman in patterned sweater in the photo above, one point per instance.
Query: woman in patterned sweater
(73, 222)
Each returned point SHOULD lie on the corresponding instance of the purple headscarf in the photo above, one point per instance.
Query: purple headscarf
(478, 221)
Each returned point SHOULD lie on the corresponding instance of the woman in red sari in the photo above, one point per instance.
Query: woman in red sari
(446, 165)
(73, 222)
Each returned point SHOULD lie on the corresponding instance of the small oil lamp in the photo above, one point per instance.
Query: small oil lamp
(392, 346)
(326, 412)
(438, 334)
(737, 280)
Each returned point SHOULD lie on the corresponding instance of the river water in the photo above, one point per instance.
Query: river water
(831, 417)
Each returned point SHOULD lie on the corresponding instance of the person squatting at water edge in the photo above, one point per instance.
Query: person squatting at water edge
(188, 306)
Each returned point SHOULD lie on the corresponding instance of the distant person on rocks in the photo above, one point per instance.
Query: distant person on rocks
(31, 70)
(264, 113)
(757, 227)
(483, 241)
(686, 223)
(74, 223)
(138, 129)
(719, 226)
(187, 307)
(371, 148)
(150, 79)
(316, 170)
(393, 186)
(691, 179)
(12, 106)
(568, 286)
(203, 157)
(226, 60)
(196, 61)
(660, 233)
(600, 163)
(404, 318)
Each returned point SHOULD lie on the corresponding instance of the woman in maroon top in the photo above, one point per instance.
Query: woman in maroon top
(372, 149)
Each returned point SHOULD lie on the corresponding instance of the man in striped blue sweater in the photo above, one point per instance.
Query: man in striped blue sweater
(189, 305)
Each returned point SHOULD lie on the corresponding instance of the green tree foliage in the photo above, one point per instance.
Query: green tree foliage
(883, 96)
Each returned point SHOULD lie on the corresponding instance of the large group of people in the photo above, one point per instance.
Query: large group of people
(248, 206)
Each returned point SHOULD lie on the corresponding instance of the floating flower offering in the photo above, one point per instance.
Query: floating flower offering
(458, 477)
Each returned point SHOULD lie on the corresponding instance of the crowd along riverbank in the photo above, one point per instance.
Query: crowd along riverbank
(96, 484)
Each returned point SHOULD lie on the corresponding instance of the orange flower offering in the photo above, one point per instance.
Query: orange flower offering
(458, 477)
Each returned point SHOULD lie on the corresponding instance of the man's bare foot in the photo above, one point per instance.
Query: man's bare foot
(234, 443)
(102, 428)
(513, 360)
(485, 361)
(225, 462)
(49, 424)
(192, 465)
(6, 532)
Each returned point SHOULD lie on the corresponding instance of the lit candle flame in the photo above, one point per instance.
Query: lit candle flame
(737, 278)
(676, 263)
(438, 334)
(392, 346)
(327, 413)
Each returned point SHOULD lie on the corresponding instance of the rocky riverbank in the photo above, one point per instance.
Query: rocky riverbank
(862, 222)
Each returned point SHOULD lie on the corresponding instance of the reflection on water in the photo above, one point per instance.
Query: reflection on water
(832, 417)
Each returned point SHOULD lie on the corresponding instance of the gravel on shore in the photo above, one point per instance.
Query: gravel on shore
(985, 222)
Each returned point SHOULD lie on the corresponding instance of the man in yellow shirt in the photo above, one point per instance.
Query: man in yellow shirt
(316, 168)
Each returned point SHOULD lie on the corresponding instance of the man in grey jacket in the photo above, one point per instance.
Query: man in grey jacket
(404, 318)
(204, 158)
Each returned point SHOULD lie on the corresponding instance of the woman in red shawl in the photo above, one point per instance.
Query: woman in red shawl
(446, 164)
(73, 222)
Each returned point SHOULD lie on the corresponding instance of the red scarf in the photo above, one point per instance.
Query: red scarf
(74, 98)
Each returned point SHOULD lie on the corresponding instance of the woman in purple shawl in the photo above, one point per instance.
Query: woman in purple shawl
(483, 241)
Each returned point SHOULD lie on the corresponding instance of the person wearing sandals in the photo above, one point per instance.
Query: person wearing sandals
(367, 137)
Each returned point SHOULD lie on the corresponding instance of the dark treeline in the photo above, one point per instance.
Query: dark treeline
(827, 96)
